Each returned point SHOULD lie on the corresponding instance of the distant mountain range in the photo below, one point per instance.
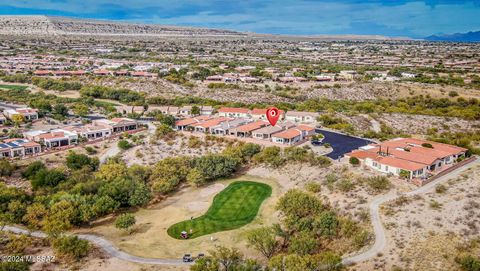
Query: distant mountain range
(44, 26)
(472, 36)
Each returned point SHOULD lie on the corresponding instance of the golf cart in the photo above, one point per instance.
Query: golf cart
(187, 258)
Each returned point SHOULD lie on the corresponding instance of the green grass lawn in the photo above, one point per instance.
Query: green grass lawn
(13, 87)
(234, 207)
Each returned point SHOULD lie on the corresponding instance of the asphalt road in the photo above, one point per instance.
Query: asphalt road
(341, 143)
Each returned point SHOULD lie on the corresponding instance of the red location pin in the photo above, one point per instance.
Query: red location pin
(272, 115)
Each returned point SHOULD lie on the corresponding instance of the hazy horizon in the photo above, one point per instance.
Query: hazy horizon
(406, 18)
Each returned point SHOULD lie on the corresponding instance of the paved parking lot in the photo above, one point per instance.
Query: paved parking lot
(341, 143)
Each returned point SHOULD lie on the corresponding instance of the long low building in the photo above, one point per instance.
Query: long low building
(70, 135)
(27, 113)
(18, 147)
(54, 138)
(286, 133)
(409, 157)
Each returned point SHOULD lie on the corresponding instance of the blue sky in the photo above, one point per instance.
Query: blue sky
(411, 18)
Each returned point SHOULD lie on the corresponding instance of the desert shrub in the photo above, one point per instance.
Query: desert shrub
(435, 205)
(14, 266)
(6, 168)
(50, 178)
(440, 189)
(90, 150)
(78, 161)
(354, 161)
(164, 132)
(71, 247)
(452, 93)
(313, 187)
(330, 180)
(468, 263)
(270, 156)
(345, 185)
(214, 166)
(124, 144)
(378, 183)
(32, 169)
(194, 142)
(125, 222)
(361, 239)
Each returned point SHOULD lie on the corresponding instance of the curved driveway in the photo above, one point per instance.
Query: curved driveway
(379, 231)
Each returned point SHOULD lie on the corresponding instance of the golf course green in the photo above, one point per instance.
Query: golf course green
(234, 207)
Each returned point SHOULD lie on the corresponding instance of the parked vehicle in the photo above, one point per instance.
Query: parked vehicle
(187, 258)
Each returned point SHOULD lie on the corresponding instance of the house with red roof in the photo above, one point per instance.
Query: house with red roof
(234, 112)
(246, 130)
(185, 124)
(204, 126)
(53, 138)
(413, 158)
(293, 135)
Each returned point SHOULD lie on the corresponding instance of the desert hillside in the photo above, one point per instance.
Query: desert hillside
(46, 26)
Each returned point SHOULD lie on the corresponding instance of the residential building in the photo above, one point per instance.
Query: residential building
(128, 109)
(92, 130)
(293, 135)
(182, 125)
(185, 111)
(118, 125)
(27, 113)
(54, 138)
(234, 112)
(266, 133)
(414, 158)
(225, 127)
(206, 110)
(204, 126)
(303, 117)
(18, 147)
(247, 129)
(288, 137)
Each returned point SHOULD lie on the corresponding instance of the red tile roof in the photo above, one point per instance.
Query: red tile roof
(190, 121)
(210, 123)
(288, 134)
(251, 126)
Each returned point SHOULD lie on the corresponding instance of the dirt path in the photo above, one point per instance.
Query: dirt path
(105, 245)
(114, 150)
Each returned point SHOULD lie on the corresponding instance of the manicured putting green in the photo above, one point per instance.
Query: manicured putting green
(234, 207)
